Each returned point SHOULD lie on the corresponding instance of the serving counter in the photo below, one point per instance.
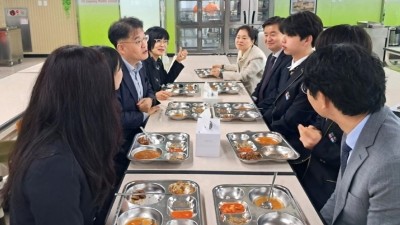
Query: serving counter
(227, 162)
(208, 182)
(199, 62)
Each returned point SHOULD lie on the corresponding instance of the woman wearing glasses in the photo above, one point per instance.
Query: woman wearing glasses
(156, 73)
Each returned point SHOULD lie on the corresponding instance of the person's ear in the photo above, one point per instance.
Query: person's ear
(308, 39)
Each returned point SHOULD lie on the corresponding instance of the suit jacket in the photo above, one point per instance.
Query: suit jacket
(369, 191)
(291, 107)
(319, 180)
(159, 77)
(275, 82)
(132, 117)
(54, 190)
(249, 68)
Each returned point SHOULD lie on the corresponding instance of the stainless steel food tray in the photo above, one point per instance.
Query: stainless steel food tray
(253, 147)
(225, 87)
(203, 72)
(185, 110)
(228, 111)
(246, 194)
(174, 195)
(188, 89)
(173, 147)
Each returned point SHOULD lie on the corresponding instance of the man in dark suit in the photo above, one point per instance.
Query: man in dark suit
(135, 93)
(368, 185)
(291, 106)
(267, 90)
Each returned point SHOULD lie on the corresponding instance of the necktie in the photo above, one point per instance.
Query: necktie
(345, 155)
(267, 77)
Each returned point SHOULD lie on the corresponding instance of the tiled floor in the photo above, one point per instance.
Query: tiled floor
(26, 63)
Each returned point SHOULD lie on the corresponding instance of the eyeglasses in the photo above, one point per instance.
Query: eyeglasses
(161, 41)
(303, 88)
(138, 41)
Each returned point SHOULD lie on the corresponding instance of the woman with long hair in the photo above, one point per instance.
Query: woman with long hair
(114, 62)
(62, 168)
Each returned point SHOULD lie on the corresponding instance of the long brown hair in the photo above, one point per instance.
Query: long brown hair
(73, 100)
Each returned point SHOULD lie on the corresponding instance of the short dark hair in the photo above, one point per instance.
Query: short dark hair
(156, 33)
(275, 20)
(347, 74)
(303, 24)
(250, 31)
(344, 33)
(122, 28)
(113, 58)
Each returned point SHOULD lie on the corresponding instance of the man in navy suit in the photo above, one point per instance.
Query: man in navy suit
(267, 90)
(135, 93)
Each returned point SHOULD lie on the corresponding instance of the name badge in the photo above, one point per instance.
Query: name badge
(332, 137)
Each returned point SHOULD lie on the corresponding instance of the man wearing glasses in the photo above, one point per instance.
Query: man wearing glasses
(368, 185)
(135, 93)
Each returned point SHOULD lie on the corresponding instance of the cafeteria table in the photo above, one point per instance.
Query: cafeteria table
(193, 62)
(227, 162)
(15, 91)
(207, 182)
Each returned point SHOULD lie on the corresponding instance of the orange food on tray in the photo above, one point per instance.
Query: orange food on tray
(276, 203)
(175, 149)
(232, 208)
(267, 141)
(147, 154)
(245, 149)
(141, 221)
(182, 214)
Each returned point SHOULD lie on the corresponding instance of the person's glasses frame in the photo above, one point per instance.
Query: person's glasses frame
(161, 41)
(138, 41)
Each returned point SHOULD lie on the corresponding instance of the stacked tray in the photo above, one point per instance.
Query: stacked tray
(228, 111)
(189, 89)
(172, 147)
(253, 147)
(241, 204)
(203, 72)
(161, 202)
(185, 110)
(225, 87)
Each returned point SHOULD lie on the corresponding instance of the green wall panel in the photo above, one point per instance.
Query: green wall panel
(333, 12)
(392, 13)
(94, 21)
(351, 11)
(281, 8)
(170, 25)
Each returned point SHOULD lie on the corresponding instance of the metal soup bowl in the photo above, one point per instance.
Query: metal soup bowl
(140, 212)
(278, 218)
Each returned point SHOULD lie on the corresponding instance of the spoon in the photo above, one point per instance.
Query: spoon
(267, 204)
(140, 193)
(146, 134)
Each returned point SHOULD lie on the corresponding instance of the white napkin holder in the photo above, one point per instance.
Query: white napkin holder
(208, 137)
(209, 95)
